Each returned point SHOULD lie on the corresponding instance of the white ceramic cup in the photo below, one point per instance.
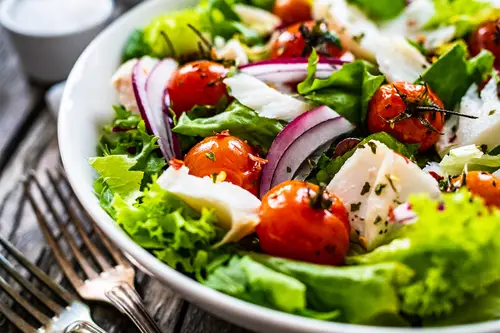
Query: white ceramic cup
(49, 57)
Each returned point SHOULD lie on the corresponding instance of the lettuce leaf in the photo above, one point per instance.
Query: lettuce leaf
(136, 47)
(175, 26)
(457, 159)
(363, 294)
(161, 222)
(465, 15)
(453, 249)
(451, 85)
(239, 120)
(327, 168)
(380, 10)
(348, 91)
(264, 4)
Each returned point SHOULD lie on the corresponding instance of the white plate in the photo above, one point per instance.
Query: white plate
(86, 106)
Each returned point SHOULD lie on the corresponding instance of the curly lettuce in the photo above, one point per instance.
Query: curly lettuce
(470, 157)
(453, 249)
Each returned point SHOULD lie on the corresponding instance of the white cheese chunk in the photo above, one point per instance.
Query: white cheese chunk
(122, 81)
(372, 183)
(264, 100)
(237, 209)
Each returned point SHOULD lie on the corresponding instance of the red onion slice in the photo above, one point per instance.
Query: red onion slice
(149, 92)
(290, 70)
(306, 144)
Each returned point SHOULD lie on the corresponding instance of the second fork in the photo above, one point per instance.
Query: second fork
(114, 283)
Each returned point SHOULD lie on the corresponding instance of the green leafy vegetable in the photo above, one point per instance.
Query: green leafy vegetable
(175, 26)
(166, 225)
(264, 4)
(455, 161)
(347, 91)
(136, 46)
(327, 168)
(465, 15)
(380, 10)
(362, 294)
(453, 249)
(452, 74)
(239, 120)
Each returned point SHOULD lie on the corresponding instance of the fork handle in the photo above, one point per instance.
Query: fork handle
(84, 327)
(126, 299)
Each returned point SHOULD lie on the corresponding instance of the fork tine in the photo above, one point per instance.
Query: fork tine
(66, 266)
(42, 318)
(98, 256)
(117, 255)
(56, 308)
(16, 320)
(61, 292)
(85, 265)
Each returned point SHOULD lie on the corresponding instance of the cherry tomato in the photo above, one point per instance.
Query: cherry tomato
(298, 222)
(485, 185)
(486, 36)
(407, 111)
(228, 159)
(293, 11)
(299, 39)
(197, 83)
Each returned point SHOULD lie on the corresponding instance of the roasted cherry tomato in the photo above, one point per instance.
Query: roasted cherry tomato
(487, 36)
(293, 11)
(411, 113)
(298, 221)
(299, 39)
(226, 158)
(197, 83)
(485, 185)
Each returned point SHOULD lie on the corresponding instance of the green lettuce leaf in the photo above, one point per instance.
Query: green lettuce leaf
(453, 249)
(348, 91)
(451, 85)
(264, 4)
(465, 15)
(480, 309)
(246, 279)
(363, 294)
(239, 120)
(455, 161)
(172, 230)
(136, 47)
(380, 10)
(175, 26)
(327, 168)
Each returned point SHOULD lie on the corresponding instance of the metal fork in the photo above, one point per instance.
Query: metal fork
(64, 319)
(115, 282)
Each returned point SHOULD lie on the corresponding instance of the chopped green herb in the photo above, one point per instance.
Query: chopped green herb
(366, 188)
(214, 177)
(355, 206)
(372, 146)
(492, 112)
(380, 188)
(377, 220)
(211, 156)
(389, 179)
(288, 169)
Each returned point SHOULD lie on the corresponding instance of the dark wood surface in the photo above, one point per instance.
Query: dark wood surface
(28, 141)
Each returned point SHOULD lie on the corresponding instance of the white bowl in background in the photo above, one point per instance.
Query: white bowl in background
(48, 56)
(86, 106)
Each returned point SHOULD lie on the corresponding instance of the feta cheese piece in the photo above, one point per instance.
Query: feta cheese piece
(264, 100)
(484, 131)
(374, 181)
(237, 209)
(122, 81)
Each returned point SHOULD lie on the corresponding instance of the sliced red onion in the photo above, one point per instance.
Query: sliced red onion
(149, 92)
(306, 144)
(403, 214)
(345, 145)
(290, 70)
(284, 145)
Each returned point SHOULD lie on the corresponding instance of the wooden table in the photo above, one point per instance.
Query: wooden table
(28, 141)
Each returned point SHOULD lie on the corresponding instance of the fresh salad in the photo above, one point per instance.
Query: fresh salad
(333, 159)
